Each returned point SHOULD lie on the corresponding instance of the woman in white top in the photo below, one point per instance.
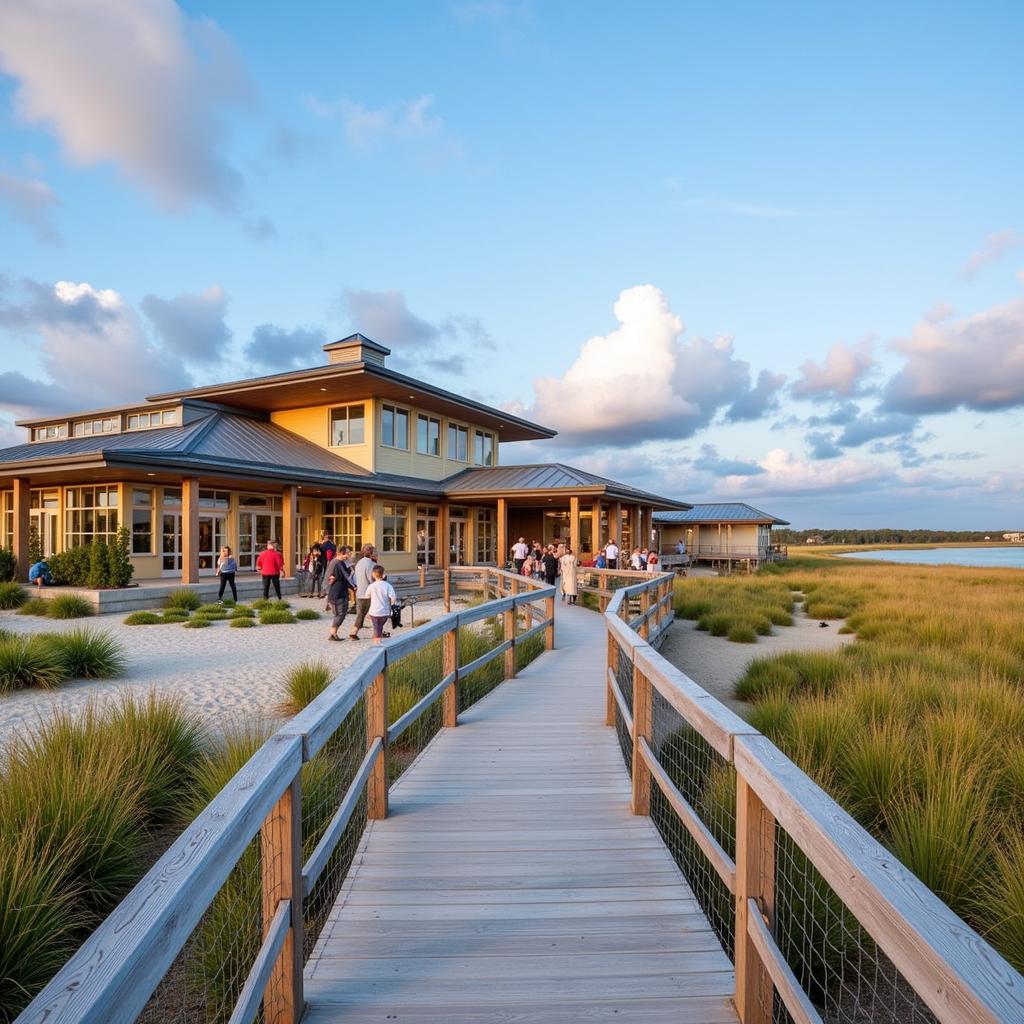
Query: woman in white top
(567, 565)
(382, 596)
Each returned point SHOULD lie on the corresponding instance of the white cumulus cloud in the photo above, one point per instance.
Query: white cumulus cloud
(840, 375)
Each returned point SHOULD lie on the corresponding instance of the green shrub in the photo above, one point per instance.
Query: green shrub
(12, 595)
(35, 606)
(35, 545)
(69, 606)
(241, 612)
(304, 682)
(198, 622)
(276, 616)
(30, 661)
(183, 598)
(742, 633)
(88, 654)
(237, 623)
(8, 568)
(307, 615)
(71, 568)
(99, 576)
(119, 561)
(142, 619)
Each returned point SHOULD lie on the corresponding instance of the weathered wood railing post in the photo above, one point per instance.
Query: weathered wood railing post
(549, 614)
(755, 881)
(645, 607)
(450, 664)
(377, 728)
(613, 663)
(281, 860)
(642, 726)
(511, 617)
(447, 590)
(423, 576)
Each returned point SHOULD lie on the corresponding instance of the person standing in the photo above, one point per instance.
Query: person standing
(340, 583)
(381, 598)
(328, 547)
(316, 563)
(226, 569)
(363, 577)
(570, 586)
(652, 561)
(270, 564)
(520, 552)
(550, 564)
(611, 553)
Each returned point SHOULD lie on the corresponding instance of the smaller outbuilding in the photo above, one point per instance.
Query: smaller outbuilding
(720, 533)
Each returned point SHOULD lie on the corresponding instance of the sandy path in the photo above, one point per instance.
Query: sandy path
(225, 674)
(716, 663)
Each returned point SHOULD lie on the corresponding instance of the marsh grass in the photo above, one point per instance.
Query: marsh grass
(305, 681)
(307, 615)
(740, 609)
(12, 595)
(918, 727)
(197, 622)
(30, 661)
(240, 611)
(241, 623)
(89, 654)
(183, 598)
(69, 606)
(142, 619)
(34, 606)
(276, 617)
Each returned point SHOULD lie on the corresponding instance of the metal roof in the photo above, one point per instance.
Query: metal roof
(550, 476)
(720, 512)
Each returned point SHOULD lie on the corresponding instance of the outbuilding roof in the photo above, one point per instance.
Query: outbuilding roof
(720, 512)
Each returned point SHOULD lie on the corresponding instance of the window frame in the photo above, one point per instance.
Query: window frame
(395, 411)
(484, 435)
(78, 513)
(457, 428)
(137, 507)
(390, 534)
(428, 420)
(347, 410)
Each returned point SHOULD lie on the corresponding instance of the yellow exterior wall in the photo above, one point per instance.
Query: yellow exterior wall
(314, 424)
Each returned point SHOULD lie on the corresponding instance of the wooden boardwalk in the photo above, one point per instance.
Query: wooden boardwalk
(511, 884)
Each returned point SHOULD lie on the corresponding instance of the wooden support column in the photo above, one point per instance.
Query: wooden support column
(190, 530)
(574, 525)
(595, 531)
(450, 663)
(447, 589)
(549, 614)
(642, 726)
(615, 523)
(281, 859)
(444, 549)
(502, 532)
(377, 728)
(289, 522)
(370, 526)
(755, 880)
(22, 527)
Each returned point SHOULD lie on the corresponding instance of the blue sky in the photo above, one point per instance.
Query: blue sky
(760, 251)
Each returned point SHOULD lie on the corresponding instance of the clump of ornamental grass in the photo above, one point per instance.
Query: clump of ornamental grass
(1002, 900)
(210, 609)
(819, 729)
(198, 622)
(88, 654)
(877, 766)
(742, 633)
(142, 619)
(276, 617)
(215, 614)
(304, 682)
(12, 595)
(183, 598)
(260, 603)
(174, 616)
(772, 715)
(307, 615)
(812, 672)
(30, 661)
(240, 611)
(69, 606)
(241, 623)
(34, 606)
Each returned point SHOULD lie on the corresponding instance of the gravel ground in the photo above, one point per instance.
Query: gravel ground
(225, 674)
(716, 663)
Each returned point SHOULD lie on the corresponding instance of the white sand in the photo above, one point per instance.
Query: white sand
(225, 674)
(715, 663)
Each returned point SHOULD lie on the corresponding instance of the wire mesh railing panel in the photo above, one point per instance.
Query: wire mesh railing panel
(475, 640)
(207, 976)
(410, 679)
(325, 781)
(708, 784)
(624, 677)
(847, 977)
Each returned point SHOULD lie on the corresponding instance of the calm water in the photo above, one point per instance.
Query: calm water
(1011, 557)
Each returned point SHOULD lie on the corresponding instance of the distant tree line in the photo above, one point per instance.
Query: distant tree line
(883, 536)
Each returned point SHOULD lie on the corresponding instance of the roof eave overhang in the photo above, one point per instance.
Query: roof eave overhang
(73, 462)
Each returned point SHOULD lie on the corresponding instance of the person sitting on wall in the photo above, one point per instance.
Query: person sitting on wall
(39, 575)
(600, 562)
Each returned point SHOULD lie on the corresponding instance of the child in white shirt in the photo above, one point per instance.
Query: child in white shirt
(382, 596)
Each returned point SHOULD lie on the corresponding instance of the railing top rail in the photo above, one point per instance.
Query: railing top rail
(953, 969)
(112, 975)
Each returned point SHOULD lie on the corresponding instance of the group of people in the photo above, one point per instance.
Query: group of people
(639, 559)
(549, 563)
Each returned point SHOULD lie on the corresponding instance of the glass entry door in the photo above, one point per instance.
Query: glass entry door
(212, 536)
(45, 521)
(426, 536)
(254, 530)
(170, 545)
(457, 541)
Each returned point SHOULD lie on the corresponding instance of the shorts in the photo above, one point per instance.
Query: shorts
(379, 622)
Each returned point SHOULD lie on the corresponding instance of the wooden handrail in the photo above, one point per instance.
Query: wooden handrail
(953, 970)
(115, 971)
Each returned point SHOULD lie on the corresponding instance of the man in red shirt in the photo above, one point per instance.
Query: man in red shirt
(269, 565)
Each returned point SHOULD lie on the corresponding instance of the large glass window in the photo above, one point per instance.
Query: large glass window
(483, 448)
(486, 536)
(146, 420)
(348, 425)
(142, 521)
(394, 528)
(214, 499)
(394, 427)
(90, 514)
(344, 519)
(107, 425)
(6, 519)
(458, 443)
(428, 435)
(426, 535)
